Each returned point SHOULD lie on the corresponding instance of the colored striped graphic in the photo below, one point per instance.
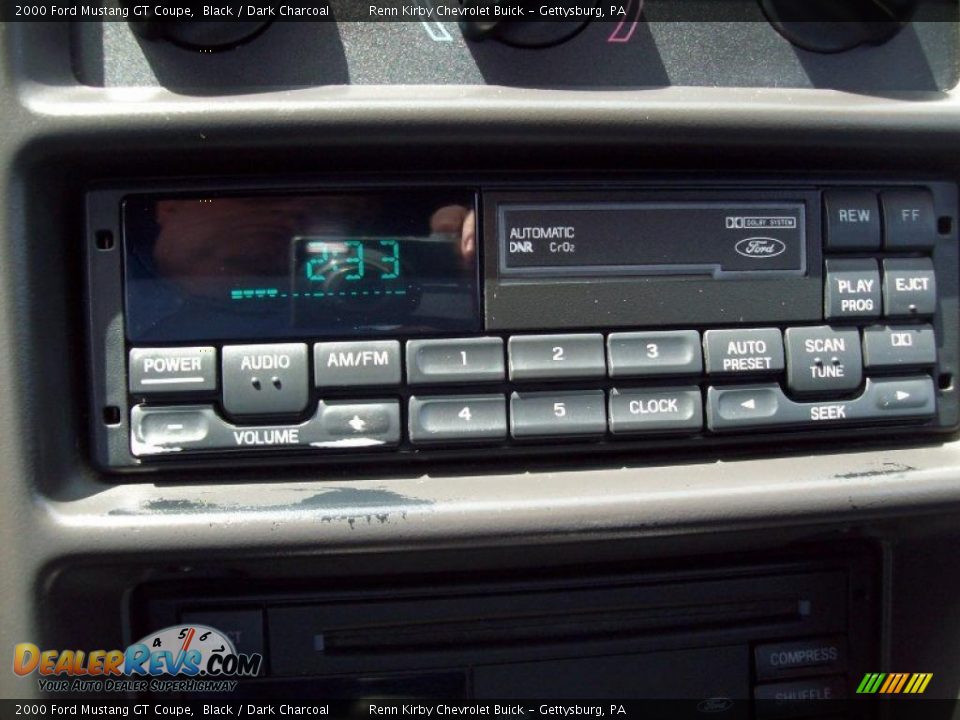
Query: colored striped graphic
(894, 683)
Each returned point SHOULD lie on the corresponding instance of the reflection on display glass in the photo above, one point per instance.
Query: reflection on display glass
(310, 266)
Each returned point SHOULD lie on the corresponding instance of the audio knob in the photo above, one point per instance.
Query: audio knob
(199, 34)
(829, 26)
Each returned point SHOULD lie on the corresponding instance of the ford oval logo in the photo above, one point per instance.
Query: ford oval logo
(760, 247)
(715, 705)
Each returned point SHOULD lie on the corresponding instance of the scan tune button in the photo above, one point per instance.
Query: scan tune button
(823, 359)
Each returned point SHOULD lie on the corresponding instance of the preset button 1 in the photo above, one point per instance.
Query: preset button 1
(743, 351)
(455, 360)
(823, 359)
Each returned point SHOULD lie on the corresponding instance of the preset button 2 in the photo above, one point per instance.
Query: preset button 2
(544, 357)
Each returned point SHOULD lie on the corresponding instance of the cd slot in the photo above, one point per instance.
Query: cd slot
(550, 628)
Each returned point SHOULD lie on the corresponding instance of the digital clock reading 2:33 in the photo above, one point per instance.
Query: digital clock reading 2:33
(368, 266)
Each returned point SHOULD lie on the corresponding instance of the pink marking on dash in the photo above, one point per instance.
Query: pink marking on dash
(626, 28)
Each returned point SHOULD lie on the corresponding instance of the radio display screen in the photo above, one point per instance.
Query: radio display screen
(345, 264)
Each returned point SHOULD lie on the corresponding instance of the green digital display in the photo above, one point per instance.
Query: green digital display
(317, 265)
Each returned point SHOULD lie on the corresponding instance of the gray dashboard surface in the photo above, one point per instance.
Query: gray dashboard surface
(58, 136)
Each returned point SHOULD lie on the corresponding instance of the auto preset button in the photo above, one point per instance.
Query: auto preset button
(666, 352)
(356, 364)
(455, 360)
(852, 289)
(639, 410)
(173, 370)
(265, 379)
(823, 359)
(743, 351)
(893, 346)
(909, 287)
(457, 418)
(909, 220)
(547, 357)
(543, 414)
(761, 406)
(852, 218)
(342, 424)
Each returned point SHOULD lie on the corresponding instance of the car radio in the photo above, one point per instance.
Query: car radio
(355, 322)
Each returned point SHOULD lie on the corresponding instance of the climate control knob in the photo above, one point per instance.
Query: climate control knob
(829, 26)
(197, 34)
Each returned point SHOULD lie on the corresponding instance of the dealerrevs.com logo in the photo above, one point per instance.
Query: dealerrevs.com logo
(200, 658)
